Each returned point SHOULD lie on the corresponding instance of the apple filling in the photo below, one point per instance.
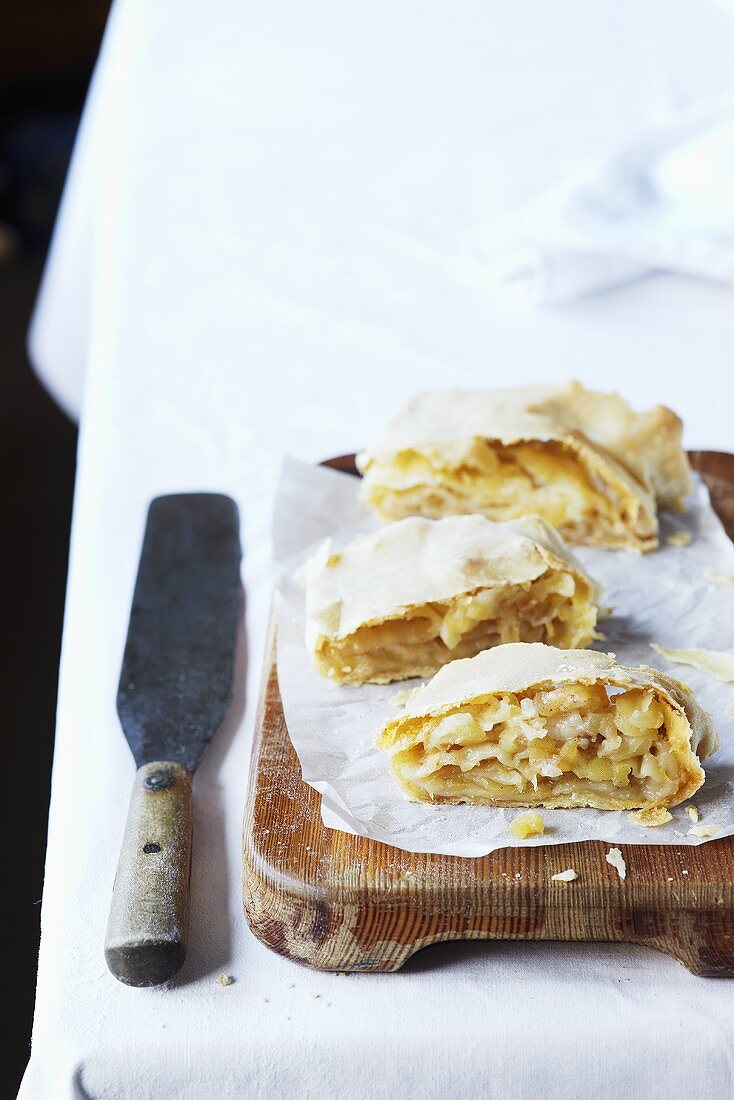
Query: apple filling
(556, 608)
(574, 745)
(587, 505)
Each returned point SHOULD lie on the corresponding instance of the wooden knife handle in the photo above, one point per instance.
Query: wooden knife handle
(149, 916)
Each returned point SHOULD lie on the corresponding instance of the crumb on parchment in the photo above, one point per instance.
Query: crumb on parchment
(527, 824)
(715, 663)
(680, 538)
(692, 812)
(565, 876)
(615, 859)
(651, 816)
(704, 831)
(225, 979)
(400, 698)
(718, 578)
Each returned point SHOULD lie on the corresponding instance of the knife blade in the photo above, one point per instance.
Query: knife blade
(174, 690)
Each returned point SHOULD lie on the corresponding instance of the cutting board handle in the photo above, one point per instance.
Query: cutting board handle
(146, 934)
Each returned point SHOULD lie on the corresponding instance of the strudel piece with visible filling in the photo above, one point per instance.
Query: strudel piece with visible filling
(531, 725)
(416, 594)
(586, 462)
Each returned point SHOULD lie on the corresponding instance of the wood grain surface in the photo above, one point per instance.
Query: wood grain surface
(341, 902)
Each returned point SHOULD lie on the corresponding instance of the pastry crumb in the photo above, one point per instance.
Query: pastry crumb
(680, 538)
(704, 831)
(651, 816)
(718, 578)
(718, 664)
(615, 859)
(527, 824)
(692, 812)
(565, 876)
(225, 979)
(400, 698)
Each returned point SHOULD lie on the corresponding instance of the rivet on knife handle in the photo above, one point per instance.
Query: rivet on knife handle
(149, 916)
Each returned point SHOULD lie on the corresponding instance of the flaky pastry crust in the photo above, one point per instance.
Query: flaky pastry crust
(405, 600)
(531, 725)
(585, 461)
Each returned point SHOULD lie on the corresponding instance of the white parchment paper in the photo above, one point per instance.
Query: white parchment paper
(662, 597)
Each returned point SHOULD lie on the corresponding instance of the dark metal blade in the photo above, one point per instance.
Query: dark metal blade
(176, 680)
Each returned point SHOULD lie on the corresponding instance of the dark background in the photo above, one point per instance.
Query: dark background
(47, 51)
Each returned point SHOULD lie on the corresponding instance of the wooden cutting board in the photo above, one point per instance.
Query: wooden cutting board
(341, 902)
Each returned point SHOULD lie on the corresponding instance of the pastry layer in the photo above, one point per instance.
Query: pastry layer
(586, 462)
(417, 594)
(535, 726)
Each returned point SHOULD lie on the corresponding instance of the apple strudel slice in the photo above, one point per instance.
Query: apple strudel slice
(586, 462)
(532, 725)
(407, 599)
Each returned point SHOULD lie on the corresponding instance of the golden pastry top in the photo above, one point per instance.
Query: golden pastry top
(520, 666)
(444, 424)
(419, 561)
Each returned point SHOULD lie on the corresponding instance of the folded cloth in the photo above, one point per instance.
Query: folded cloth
(665, 203)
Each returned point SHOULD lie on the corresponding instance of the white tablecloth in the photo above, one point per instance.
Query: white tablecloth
(278, 223)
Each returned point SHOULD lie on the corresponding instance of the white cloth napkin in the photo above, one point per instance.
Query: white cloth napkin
(663, 203)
